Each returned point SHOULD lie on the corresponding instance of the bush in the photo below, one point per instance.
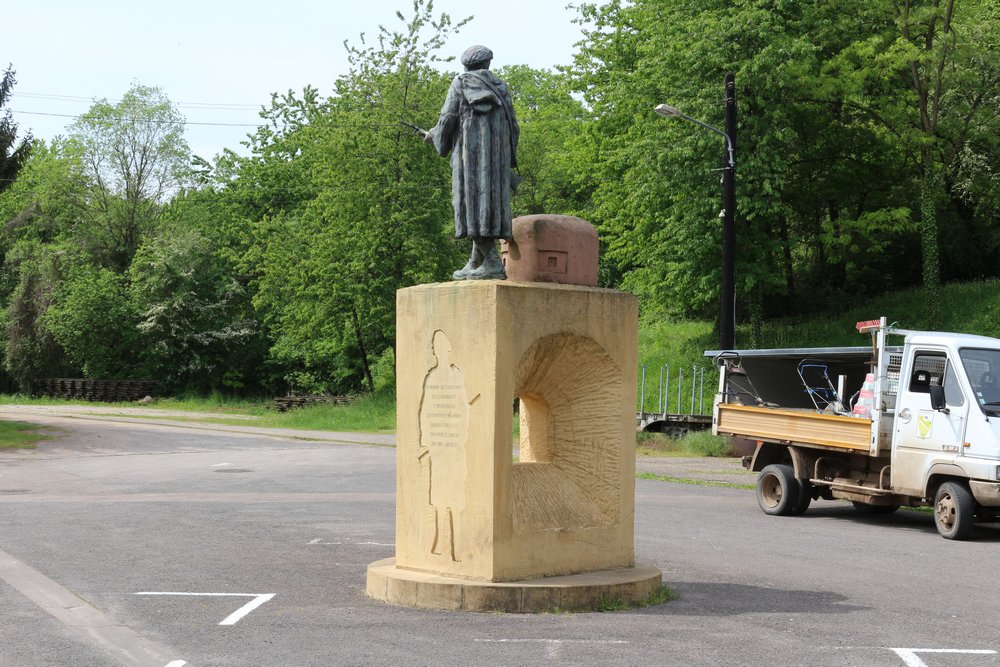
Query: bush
(696, 443)
(703, 443)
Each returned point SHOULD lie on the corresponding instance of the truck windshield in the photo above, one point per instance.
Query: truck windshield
(982, 367)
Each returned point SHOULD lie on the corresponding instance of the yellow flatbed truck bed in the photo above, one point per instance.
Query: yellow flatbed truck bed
(794, 426)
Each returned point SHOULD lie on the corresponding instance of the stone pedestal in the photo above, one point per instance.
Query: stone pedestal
(474, 510)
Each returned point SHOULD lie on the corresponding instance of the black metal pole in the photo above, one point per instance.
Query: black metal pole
(727, 319)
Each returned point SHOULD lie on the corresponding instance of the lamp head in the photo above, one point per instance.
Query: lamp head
(667, 110)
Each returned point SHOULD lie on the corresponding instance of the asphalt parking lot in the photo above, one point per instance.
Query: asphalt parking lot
(126, 542)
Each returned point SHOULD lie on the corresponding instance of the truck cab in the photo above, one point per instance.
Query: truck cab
(947, 416)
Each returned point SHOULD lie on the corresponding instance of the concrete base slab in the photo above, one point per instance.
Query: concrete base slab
(574, 592)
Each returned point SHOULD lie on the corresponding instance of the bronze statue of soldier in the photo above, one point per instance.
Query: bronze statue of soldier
(477, 127)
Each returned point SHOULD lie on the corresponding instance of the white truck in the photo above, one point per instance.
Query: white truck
(922, 426)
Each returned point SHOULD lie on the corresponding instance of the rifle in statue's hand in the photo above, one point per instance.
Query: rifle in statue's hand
(419, 130)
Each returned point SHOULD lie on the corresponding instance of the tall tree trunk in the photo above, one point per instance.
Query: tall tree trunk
(786, 258)
(929, 242)
(366, 369)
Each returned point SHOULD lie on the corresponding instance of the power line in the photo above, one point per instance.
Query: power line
(220, 106)
(220, 195)
(146, 120)
(524, 121)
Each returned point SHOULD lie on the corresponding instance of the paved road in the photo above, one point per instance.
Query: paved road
(101, 523)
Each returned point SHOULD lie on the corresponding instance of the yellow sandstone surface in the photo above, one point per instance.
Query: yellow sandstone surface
(469, 503)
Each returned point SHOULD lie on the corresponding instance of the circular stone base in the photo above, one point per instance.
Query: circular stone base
(572, 592)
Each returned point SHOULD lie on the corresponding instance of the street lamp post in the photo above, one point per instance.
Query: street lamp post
(727, 290)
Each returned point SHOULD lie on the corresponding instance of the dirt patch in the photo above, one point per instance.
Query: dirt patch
(702, 469)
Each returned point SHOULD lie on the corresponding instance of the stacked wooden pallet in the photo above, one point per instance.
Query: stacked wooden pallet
(286, 403)
(94, 390)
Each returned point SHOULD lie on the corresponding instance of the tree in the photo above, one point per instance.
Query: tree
(549, 117)
(39, 213)
(91, 318)
(74, 221)
(828, 148)
(136, 158)
(13, 155)
(196, 327)
(365, 207)
(30, 350)
(939, 60)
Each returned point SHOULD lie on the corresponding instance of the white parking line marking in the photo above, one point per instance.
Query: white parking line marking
(177, 663)
(216, 465)
(553, 641)
(233, 618)
(319, 540)
(909, 655)
(553, 648)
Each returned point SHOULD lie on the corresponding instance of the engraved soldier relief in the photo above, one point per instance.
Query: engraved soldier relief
(444, 428)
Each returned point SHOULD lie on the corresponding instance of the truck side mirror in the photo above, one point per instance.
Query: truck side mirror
(937, 398)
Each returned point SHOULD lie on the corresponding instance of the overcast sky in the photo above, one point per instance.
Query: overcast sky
(220, 60)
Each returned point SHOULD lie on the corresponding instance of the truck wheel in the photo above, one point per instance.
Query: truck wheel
(777, 489)
(954, 507)
(805, 497)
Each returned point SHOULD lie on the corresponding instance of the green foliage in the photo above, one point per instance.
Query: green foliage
(31, 351)
(92, 320)
(368, 211)
(866, 146)
(696, 443)
(703, 443)
(605, 604)
(676, 346)
(550, 117)
(13, 154)
(367, 413)
(830, 146)
(965, 308)
(693, 482)
(196, 326)
(384, 371)
(74, 221)
(972, 308)
(659, 596)
(135, 158)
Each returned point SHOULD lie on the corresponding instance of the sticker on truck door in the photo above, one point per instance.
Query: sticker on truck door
(925, 424)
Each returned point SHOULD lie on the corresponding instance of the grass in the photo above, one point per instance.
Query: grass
(693, 482)
(369, 413)
(211, 403)
(21, 399)
(679, 345)
(659, 596)
(697, 443)
(214, 402)
(966, 308)
(18, 435)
